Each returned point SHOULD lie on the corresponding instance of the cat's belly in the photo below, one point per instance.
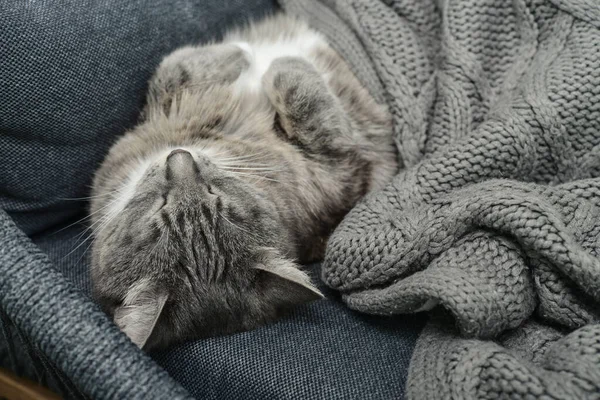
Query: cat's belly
(262, 54)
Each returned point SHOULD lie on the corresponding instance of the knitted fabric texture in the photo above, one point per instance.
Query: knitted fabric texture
(495, 217)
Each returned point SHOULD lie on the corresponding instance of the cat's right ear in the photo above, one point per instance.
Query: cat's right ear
(138, 314)
(284, 285)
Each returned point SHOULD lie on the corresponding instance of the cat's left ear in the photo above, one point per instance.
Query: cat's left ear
(284, 285)
(138, 314)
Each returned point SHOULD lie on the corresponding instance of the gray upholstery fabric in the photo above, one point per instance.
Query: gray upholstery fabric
(317, 352)
(496, 216)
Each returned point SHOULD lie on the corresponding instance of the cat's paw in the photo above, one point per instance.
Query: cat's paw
(199, 68)
(194, 70)
(292, 83)
(307, 112)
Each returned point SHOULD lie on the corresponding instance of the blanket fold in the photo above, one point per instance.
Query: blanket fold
(494, 221)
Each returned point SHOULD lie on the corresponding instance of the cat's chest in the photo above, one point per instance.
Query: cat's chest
(262, 53)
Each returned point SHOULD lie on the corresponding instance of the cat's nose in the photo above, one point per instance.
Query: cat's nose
(178, 151)
(181, 165)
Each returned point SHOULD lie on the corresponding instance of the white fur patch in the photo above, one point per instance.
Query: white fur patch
(262, 54)
(127, 191)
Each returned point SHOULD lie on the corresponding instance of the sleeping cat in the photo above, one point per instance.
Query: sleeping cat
(248, 154)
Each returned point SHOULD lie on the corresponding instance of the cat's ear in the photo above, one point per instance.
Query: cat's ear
(284, 285)
(138, 314)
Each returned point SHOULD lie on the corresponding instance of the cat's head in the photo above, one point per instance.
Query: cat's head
(188, 250)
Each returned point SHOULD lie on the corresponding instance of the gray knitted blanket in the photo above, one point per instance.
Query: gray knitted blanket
(494, 222)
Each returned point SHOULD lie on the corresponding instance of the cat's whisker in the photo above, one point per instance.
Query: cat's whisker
(236, 226)
(86, 218)
(245, 164)
(246, 156)
(95, 234)
(92, 226)
(98, 227)
(91, 236)
(86, 250)
(98, 196)
(95, 227)
(77, 247)
(79, 221)
(86, 230)
(238, 170)
(107, 205)
(255, 176)
(81, 199)
(260, 169)
(220, 153)
(238, 160)
(107, 219)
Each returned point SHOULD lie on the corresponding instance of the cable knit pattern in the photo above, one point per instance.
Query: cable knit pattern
(495, 218)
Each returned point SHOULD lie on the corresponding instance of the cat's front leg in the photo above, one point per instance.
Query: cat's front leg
(307, 113)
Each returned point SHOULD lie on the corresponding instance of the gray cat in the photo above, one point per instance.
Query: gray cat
(248, 154)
